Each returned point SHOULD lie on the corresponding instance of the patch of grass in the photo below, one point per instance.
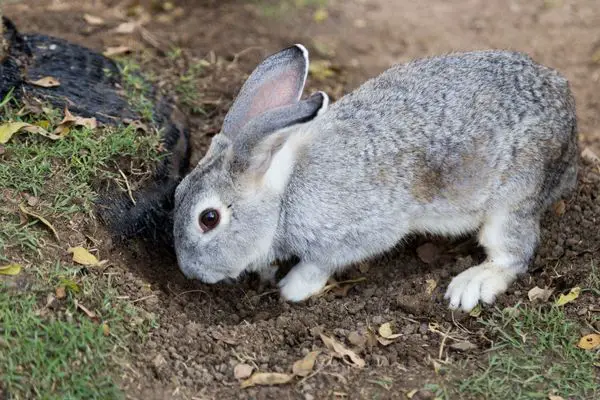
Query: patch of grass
(535, 355)
(51, 358)
(57, 351)
(61, 172)
(137, 87)
(187, 88)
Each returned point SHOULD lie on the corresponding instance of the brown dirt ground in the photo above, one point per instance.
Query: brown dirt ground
(204, 331)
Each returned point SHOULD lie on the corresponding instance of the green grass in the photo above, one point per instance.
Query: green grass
(59, 352)
(137, 87)
(187, 88)
(535, 355)
(62, 171)
(52, 358)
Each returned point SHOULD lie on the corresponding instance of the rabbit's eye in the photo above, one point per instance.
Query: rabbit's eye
(209, 219)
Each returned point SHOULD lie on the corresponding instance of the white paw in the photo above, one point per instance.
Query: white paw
(303, 281)
(483, 282)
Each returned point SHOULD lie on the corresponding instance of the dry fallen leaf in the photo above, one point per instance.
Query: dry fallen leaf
(126, 28)
(116, 51)
(242, 371)
(431, 285)
(560, 207)
(539, 294)
(554, 397)
(93, 20)
(82, 256)
(9, 129)
(47, 82)
(267, 378)
(305, 366)
(340, 351)
(589, 342)
(476, 311)
(569, 297)
(385, 331)
(105, 329)
(588, 155)
(384, 342)
(92, 315)
(60, 292)
(341, 289)
(463, 346)
(41, 219)
(70, 120)
(11, 269)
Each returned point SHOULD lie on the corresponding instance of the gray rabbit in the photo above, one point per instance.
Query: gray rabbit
(468, 142)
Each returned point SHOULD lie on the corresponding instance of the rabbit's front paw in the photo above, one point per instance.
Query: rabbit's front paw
(482, 282)
(303, 281)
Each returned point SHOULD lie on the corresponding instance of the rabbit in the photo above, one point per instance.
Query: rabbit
(468, 142)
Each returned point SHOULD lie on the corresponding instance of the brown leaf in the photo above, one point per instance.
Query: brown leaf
(539, 294)
(428, 253)
(41, 219)
(305, 366)
(589, 342)
(93, 20)
(116, 51)
(267, 379)
(70, 120)
(47, 82)
(92, 315)
(340, 351)
(242, 371)
(560, 207)
(60, 292)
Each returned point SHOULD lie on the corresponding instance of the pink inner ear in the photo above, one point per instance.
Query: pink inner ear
(279, 91)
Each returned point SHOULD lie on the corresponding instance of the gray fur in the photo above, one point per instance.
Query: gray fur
(482, 141)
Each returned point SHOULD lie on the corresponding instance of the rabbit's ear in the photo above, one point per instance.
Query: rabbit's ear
(273, 120)
(278, 81)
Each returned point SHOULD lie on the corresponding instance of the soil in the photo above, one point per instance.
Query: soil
(204, 331)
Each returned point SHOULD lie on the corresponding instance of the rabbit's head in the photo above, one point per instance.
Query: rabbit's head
(227, 209)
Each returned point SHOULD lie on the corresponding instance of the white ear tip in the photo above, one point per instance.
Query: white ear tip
(325, 102)
(303, 49)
